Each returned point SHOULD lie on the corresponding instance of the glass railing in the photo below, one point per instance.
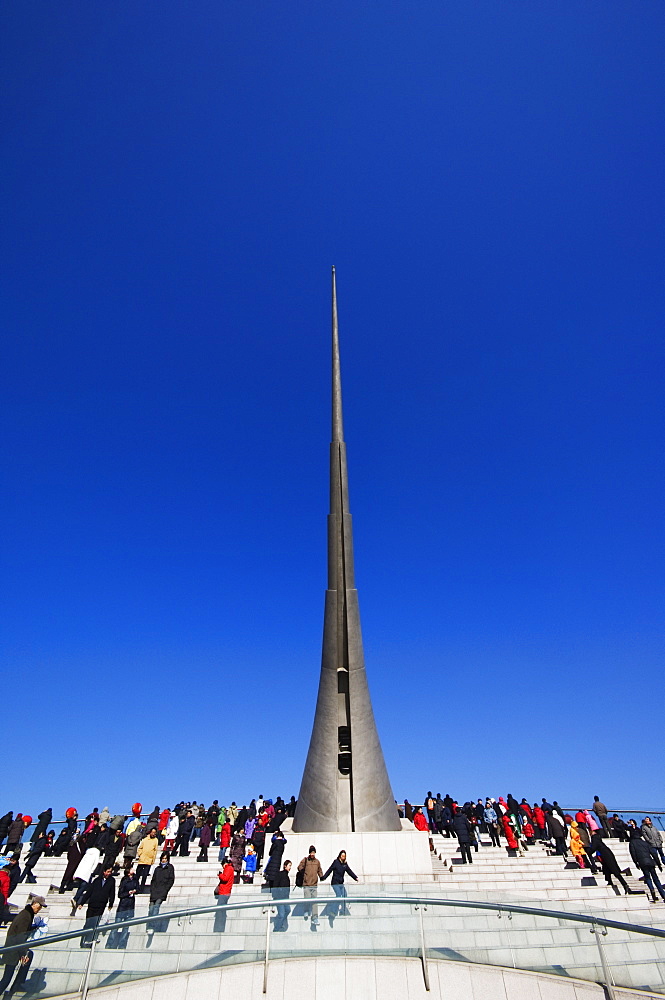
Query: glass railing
(595, 949)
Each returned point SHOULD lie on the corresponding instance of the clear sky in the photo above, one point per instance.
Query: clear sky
(176, 180)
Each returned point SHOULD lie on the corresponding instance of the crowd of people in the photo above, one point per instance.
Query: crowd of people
(521, 825)
(136, 848)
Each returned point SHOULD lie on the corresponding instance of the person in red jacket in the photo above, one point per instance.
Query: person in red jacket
(222, 893)
(508, 832)
(224, 840)
(541, 824)
(421, 823)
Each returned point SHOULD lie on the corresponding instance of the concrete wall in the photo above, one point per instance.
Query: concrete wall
(361, 979)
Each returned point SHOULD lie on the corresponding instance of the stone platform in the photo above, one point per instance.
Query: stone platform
(395, 857)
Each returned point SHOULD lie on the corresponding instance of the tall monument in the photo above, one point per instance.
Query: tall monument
(345, 785)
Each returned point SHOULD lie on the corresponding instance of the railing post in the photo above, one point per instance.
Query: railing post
(267, 958)
(423, 949)
(86, 975)
(607, 973)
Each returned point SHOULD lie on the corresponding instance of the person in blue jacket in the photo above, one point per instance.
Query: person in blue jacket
(339, 869)
(249, 864)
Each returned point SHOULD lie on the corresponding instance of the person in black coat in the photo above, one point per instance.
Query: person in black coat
(75, 852)
(161, 884)
(275, 854)
(281, 889)
(184, 833)
(339, 869)
(65, 837)
(129, 886)
(608, 862)
(5, 823)
(99, 894)
(641, 854)
(43, 825)
(33, 857)
(20, 955)
(464, 832)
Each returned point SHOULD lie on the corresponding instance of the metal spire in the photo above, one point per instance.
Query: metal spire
(345, 785)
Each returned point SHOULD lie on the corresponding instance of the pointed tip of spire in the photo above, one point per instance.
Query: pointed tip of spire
(337, 422)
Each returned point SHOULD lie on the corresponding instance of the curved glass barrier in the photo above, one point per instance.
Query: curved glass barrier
(426, 928)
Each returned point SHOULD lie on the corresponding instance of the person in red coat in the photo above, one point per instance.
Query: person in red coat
(508, 832)
(421, 823)
(224, 840)
(222, 893)
(540, 821)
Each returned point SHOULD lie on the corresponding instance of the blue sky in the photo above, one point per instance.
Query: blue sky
(176, 182)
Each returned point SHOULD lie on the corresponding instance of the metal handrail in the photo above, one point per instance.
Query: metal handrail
(406, 900)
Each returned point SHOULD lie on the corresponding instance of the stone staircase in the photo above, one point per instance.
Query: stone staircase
(538, 879)
(542, 879)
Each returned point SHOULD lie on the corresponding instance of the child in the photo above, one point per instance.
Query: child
(249, 864)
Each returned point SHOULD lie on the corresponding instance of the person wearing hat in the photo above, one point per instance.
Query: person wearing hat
(17, 935)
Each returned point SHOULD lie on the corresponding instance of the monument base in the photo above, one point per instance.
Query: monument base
(395, 856)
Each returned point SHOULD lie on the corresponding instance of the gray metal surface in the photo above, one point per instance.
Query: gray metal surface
(344, 735)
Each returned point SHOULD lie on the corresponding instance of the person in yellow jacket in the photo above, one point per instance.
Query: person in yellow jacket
(576, 845)
(146, 857)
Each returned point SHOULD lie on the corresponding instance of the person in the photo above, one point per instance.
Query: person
(585, 838)
(339, 869)
(421, 824)
(129, 886)
(237, 853)
(408, 810)
(557, 830)
(163, 878)
(75, 852)
(249, 864)
(464, 833)
(429, 806)
(5, 889)
(653, 838)
(17, 936)
(226, 878)
(224, 840)
(84, 873)
(205, 837)
(272, 868)
(15, 833)
(69, 830)
(259, 841)
(104, 815)
(36, 851)
(281, 889)
(608, 862)
(131, 846)
(146, 857)
(312, 872)
(540, 822)
(5, 822)
(492, 823)
(43, 824)
(576, 845)
(291, 806)
(171, 831)
(620, 829)
(98, 894)
(184, 833)
(600, 810)
(10, 874)
(643, 858)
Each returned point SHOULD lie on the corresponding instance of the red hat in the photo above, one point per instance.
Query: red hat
(71, 813)
(27, 820)
(136, 808)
